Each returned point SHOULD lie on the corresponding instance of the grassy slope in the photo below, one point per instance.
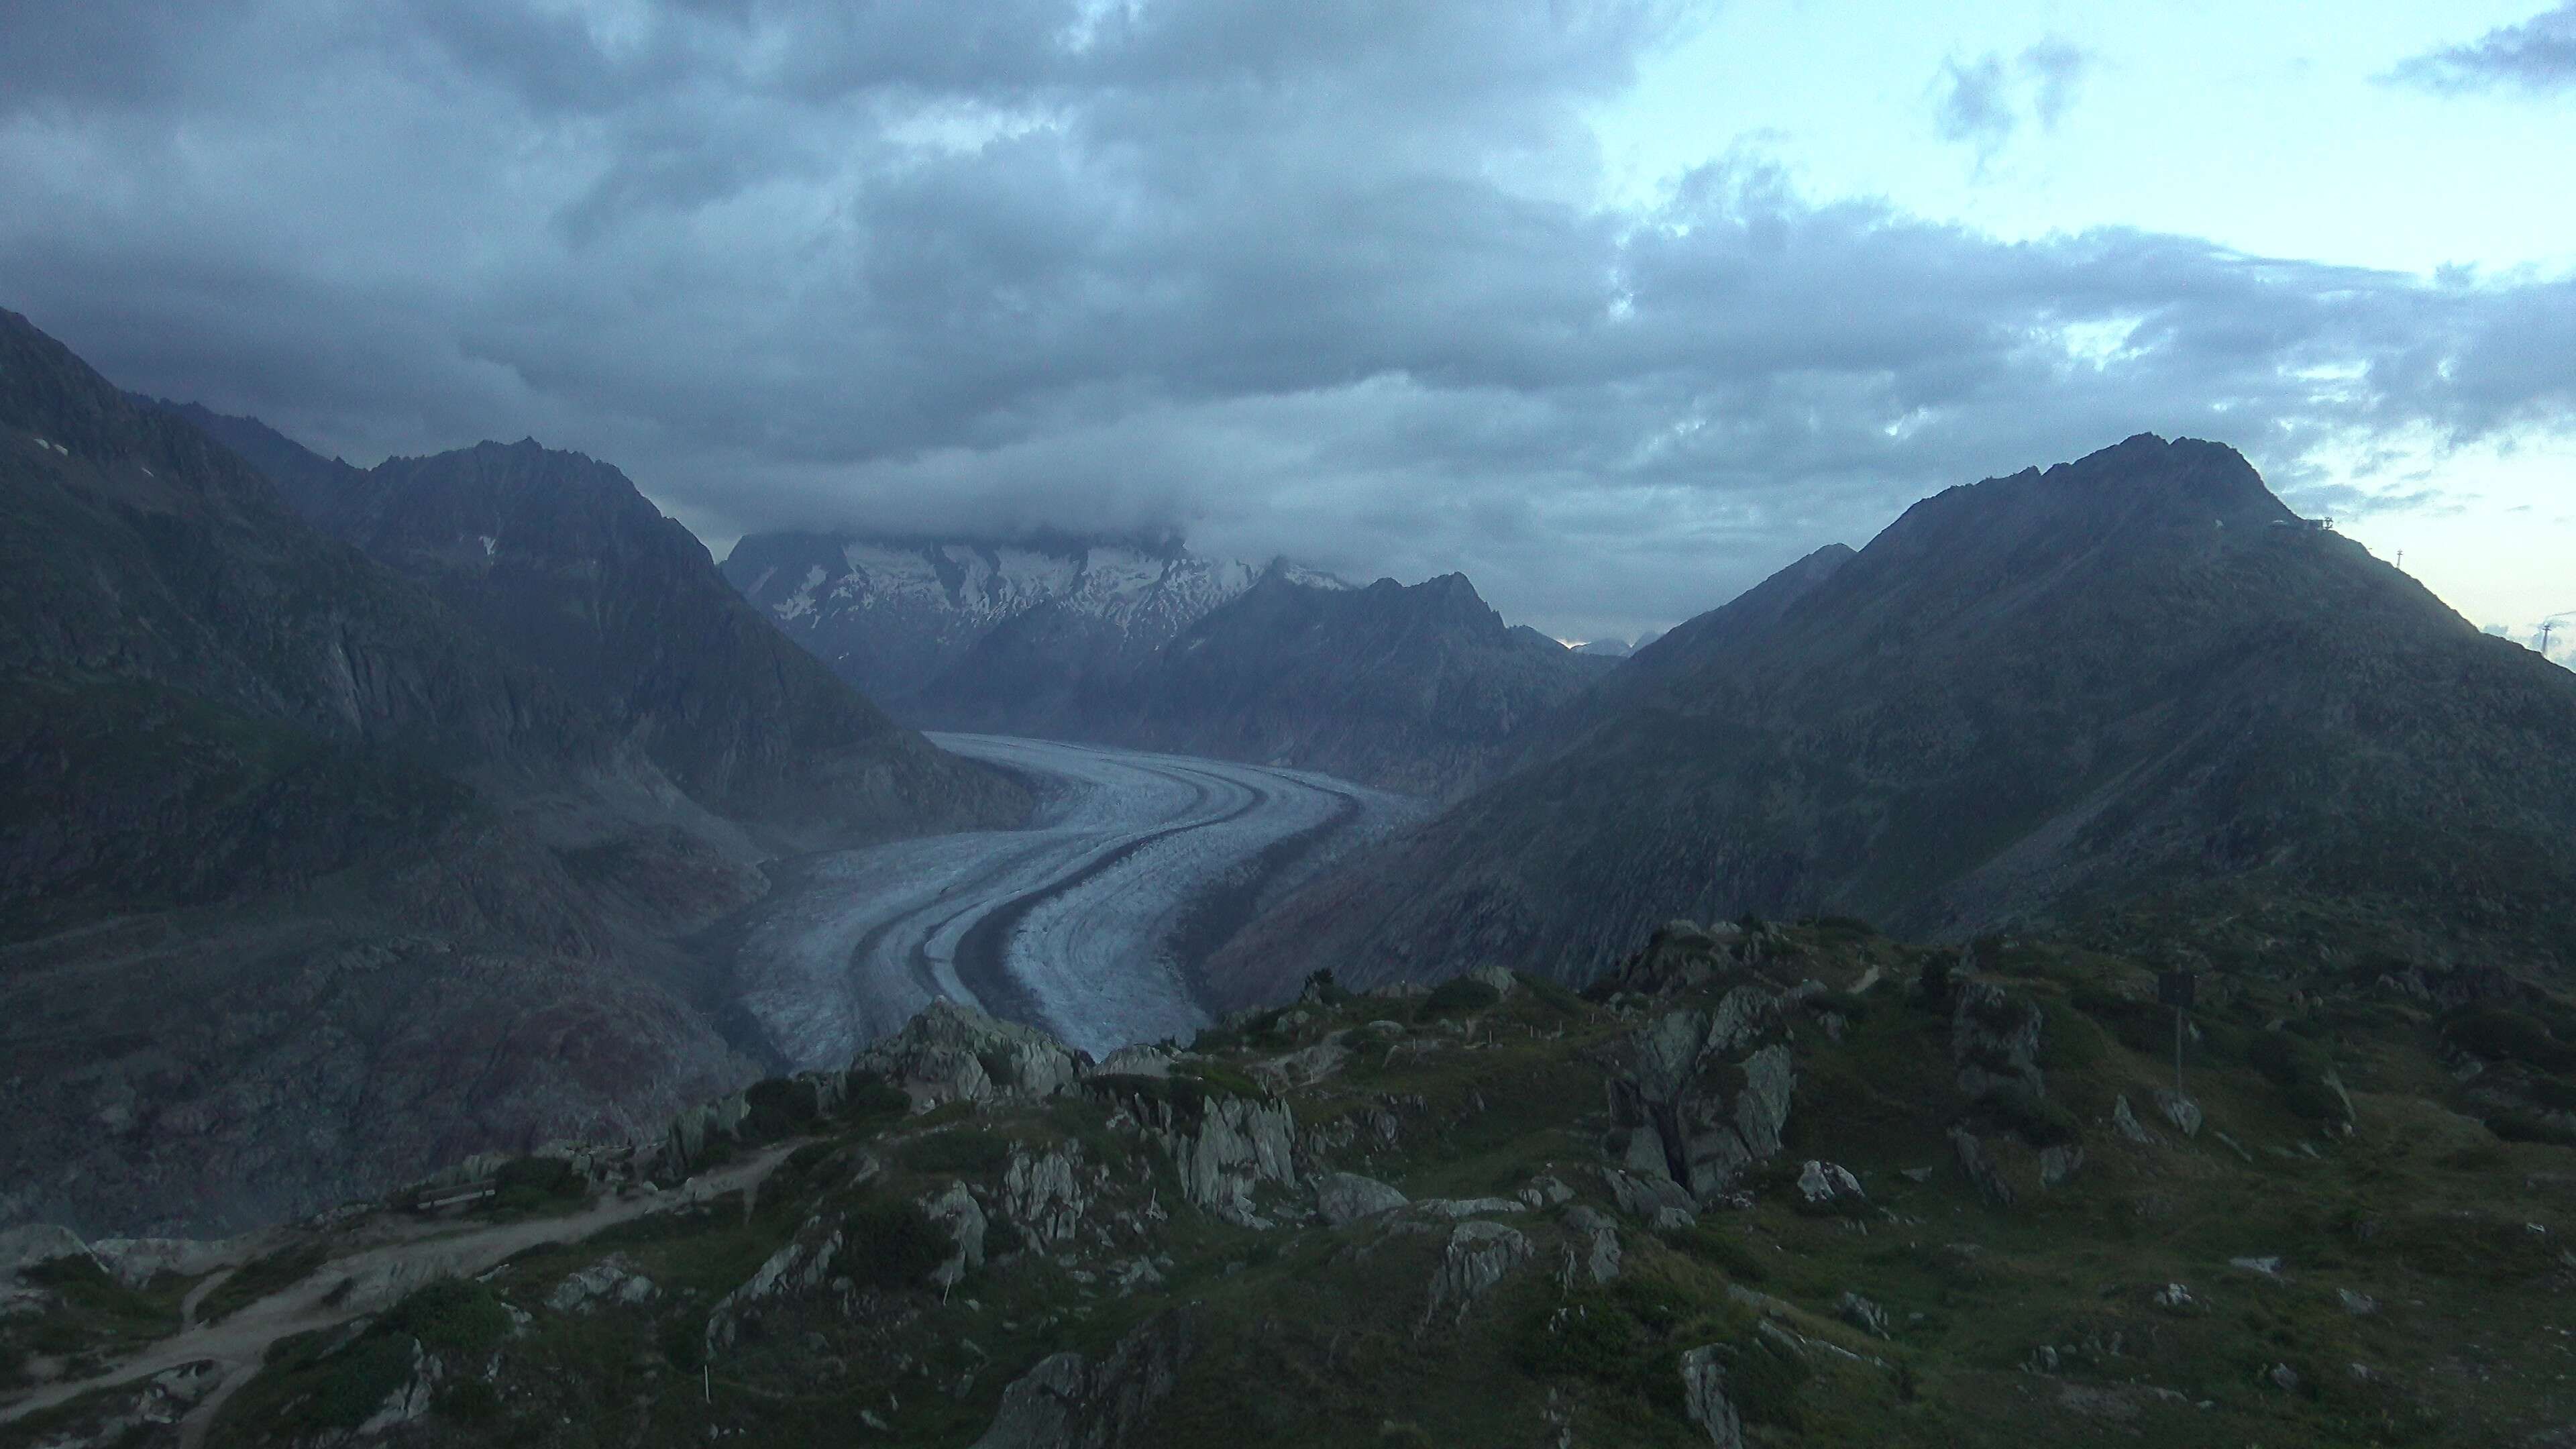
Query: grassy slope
(1314, 1336)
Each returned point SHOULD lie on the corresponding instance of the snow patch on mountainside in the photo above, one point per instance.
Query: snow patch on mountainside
(893, 615)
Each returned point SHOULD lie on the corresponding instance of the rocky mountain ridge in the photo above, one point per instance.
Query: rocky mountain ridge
(1418, 688)
(898, 616)
(306, 882)
(2133, 688)
(559, 560)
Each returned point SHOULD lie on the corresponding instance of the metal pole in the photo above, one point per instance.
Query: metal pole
(2177, 1051)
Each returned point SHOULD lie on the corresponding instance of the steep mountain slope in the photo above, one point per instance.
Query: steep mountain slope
(897, 616)
(558, 559)
(303, 885)
(1410, 688)
(2118, 686)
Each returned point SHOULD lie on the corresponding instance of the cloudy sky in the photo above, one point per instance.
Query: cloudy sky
(1615, 306)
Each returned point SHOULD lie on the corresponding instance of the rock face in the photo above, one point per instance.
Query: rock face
(1478, 1257)
(567, 568)
(1044, 1193)
(1704, 1398)
(2133, 681)
(1343, 1198)
(213, 706)
(1070, 1402)
(1978, 1163)
(1597, 1259)
(1231, 1147)
(1021, 627)
(955, 1210)
(1692, 1097)
(1414, 688)
(1825, 1187)
(954, 1053)
(1994, 1040)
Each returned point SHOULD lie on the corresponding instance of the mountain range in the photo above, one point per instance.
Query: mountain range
(1415, 688)
(2133, 692)
(897, 617)
(316, 870)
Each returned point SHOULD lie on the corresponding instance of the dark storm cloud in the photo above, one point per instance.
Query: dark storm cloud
(2539, 55)
(1322, 279)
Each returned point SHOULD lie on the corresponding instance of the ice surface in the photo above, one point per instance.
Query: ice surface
(1088, 901)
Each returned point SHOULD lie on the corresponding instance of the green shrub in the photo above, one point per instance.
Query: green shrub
(1841, 1003)
(2516, 1126)
(893, 1245)
(470, 1401)
(1002, 1237)
(866, 1094)
(1587, 1336)
(1459, 994)
(1764, 1380)
(2500, 1035)
(1720, 1247)
(2288, 1061)
(1222, 1078)
(955, 1152)
(776, 1108)
(1549, 993)
(357, 1380)
(1933, 982)
(1321, 985)
(452, 1315)
(683, 1340)
(531, 1184)
(2041, 1122)
(2141, 1026)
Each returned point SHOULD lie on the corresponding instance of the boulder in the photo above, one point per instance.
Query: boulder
(2059, 1162)
(1980, 1167)
(1826, 1187)
(1545, 1190)
(954, 1053)
(1228, 1146)
(1862, 1314)
(955, 1209)
(1677, 1105)
(1070, 1402)
(1994, 1041)
(804, 1263)
(1498, 977)
(2181, 1111)
(611, 1280)
(1596, 1250)
(2125, 1122)
(1455, 1208)
(1344, 1198)
(1704, 1397)
(1043, 1192)
(1479, 1255)
(1642, 1196)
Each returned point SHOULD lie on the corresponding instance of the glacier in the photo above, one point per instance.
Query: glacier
(1089, 921)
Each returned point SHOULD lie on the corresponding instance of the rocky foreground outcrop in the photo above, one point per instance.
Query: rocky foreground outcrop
(1446, 1233)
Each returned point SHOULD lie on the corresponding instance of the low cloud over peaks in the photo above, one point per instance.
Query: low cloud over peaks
(1339, 288)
